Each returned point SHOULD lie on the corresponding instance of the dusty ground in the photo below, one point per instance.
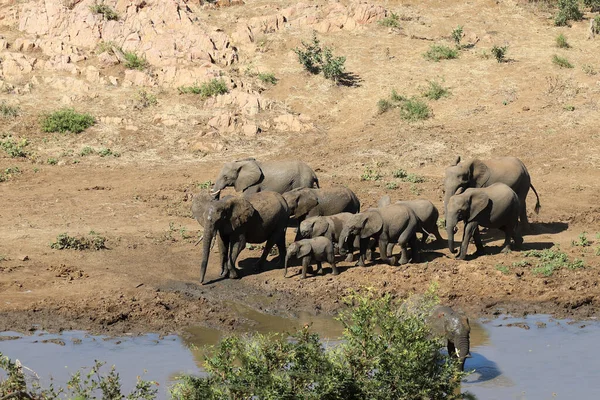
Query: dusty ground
(148, 278)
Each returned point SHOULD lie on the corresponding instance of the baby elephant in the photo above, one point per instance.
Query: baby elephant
(319, 249)
(495, 206)
(329, 226)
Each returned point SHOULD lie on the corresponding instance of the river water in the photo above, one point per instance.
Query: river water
(530, 358)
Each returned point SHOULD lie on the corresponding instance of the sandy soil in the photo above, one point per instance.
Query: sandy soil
(148, 277)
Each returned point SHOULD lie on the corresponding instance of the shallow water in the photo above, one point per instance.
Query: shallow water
(556, 361)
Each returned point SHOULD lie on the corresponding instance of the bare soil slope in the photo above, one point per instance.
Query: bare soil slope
(148, 278)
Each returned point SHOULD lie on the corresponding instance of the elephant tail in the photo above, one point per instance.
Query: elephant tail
(537, 203)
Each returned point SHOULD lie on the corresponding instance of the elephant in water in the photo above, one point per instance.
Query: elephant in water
(252, 176)
(477, 174)
(454, 327)
(496, 206)
(235, 221)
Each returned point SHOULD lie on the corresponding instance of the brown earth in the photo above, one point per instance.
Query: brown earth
(148, 277)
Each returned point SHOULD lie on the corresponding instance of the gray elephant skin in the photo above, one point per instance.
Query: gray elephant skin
(425, 211)
(388, 225)
(454, 327)
(330, 227)
(235, 221)
(252, 176)
(318, 249)
(496, 206)
(477, 173)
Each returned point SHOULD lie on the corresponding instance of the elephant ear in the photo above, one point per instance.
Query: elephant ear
(200, 203)
(384, 201)
(305, 249)
(372, 224)
(478, 203)
(456, 161)
(249, 173)
(479, 173)
(307, 200)
(320, 227)
(240, 211)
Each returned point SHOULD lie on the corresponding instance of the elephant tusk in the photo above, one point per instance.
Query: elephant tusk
(457, 353)
(199, 240)
(215, 192)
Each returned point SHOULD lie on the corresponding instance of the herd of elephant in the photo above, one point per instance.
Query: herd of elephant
(490, 193)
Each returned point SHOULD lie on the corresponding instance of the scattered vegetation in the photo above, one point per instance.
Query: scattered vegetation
(107, 46)
(133, 61)
(386, 352)
(593, 4)
(414, 109)
(407, 177)
(13, 148)
(214, 87)
(439, 52)
(596, 25)
(551, 260)
(204, 185)
(441, 223)
(435, 91)
(391, 21)
(8, 111)
(499, 52)
(67, 120)
(52, 161)
(503, 268)
(561, 61)
(568, 10)
(316, 59)
(582, 241)
(9, 173)
(589, 69)
(569, 107)
(14, 385)
(457, 34)
(86, 151)
(106, 152)
(267, 77)
(384, 105)
(391, 185)
(145, 99)
(93, 242)
(561, 42)
(108, 13)
(371, 174)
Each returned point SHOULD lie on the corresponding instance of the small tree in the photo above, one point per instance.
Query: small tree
(316, 59)
(567, 10)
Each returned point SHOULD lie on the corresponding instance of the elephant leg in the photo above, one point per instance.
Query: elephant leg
(319, 268)
(414, 246)
(361, 252)
(263, 257)
(236, 248)
(436, 233)
(517, 238)
(224, 255)
(424, 237)
(373, 245)
(383, 250)
(305, 265)
(405, 238)
(467, 235)
(331, 261)
(524, 222)
(478, 242)
(281, 249)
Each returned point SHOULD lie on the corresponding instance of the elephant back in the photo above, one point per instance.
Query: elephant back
(337, 200)
(269, 206)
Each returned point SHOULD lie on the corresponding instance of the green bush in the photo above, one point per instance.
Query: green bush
(108, 13)
(593, 4)
(596, 25)
(133, 61)
(8, 111)
(15, 149)
(267, 77)
(568, 10)
(386, 352)
(439, 52)
(67, 120)
(561, 62)
(550, 260)
(457, 34)
(414, 110)
(211, 88)
(64, 241)
(435, 91)
(316, 59)
(499, 52)
(371, 174)
(391, 21)
(86, 151)
(561, 42)
(384, 105)
(9, 173)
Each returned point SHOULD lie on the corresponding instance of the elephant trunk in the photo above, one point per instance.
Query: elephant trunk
(287, 259)
(209, 232)
(464, 345)
(343, 241)
(450, 232)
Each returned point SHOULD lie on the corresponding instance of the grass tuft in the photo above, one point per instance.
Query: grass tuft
(64, 241)
(391, 21)
(211, 88)
(67, 120)
(435, 91)
(439, 52)
(561, 61)
(414, 110)
(561, 42)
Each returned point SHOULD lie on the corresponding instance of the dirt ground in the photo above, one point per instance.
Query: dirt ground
(148, 277)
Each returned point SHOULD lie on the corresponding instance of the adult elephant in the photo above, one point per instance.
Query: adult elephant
(454, 327)
(252, 176)
(235, 221)
(388, 225)
(426, 212)
(305, 203)
(477, 174)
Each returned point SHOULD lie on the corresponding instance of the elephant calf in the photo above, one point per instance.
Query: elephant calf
(426, 212)
(319, 249)
(495, 206)
(330, 227)
(454, 327)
